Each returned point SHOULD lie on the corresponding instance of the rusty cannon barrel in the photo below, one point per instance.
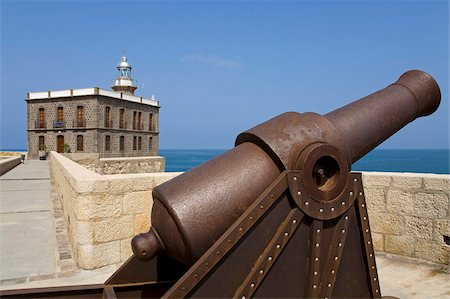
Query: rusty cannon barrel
(193, 210)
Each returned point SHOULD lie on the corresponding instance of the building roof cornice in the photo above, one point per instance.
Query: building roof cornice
(53, 94)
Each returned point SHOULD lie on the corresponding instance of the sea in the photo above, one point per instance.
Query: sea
(397, 160)
(385, 160)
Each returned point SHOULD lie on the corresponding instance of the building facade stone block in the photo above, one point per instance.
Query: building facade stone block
(400, 202)
(401, 245)
(431, 205)
(386, 223)
(377, 201)
(407, 182)
(141, 223)
(85, 232)
(86, 257)
(379, 179)
(432, 252)
(112, 229)
(378, 241)
(107, 254)
(137, 202)
(125, 250)
(437, 184)
(96, 205)
(441, 229)
(418, 227)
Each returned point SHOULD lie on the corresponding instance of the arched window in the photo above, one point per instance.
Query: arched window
(41, 122)
(122, 143)
(107, 143)
(41, 143)
(80, 143)
(140, 143)
(134, 142)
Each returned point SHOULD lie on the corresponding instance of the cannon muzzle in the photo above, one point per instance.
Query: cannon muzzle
(193, 210)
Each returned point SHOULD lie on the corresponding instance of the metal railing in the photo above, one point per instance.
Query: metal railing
(58, 124)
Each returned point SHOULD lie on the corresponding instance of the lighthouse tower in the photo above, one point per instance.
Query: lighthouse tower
(124, 82)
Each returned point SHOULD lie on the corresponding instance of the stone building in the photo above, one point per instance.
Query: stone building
(93, 120)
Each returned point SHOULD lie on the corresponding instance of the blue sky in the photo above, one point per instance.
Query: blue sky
(219, 68)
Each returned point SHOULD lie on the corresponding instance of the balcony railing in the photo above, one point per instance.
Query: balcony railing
(39, 125)
(79, 123)
(58, 124)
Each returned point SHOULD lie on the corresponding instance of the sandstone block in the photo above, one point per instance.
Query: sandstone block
(378, 242)
(431, 205)
(375, 199)
(376, 179)
(141, 223)
(441, 229)
(113, 228)
(417, 227)
(439, 184)
(125, 249)
(406, 182)
(85, 232)
(120, 186)
(137, 202)
(159, 179)
(143, 184)
(399, 245)
(107, 254)
(385, 223)
(96, 206)
(400, 202)
(432, 252)
(86, 257)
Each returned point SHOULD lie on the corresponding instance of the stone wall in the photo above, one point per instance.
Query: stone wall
(8, 163)
(132, 165)
(409, 214)
(103, 212)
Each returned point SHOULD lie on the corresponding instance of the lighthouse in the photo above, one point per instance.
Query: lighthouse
(124, 82)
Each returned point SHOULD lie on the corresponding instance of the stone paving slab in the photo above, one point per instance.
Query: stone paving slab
(25, 201)
(24, 185)
(30, 170)
(404, 277)
(27, 244)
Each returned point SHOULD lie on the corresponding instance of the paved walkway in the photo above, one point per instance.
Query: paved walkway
(27, 233)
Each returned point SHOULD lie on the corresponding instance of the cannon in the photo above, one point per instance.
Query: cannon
(280, 215)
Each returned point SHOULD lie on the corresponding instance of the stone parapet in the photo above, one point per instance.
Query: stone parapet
(103, 212)
(409, 214)
(9, 163)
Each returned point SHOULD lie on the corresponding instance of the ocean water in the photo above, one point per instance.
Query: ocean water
(424, 161)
